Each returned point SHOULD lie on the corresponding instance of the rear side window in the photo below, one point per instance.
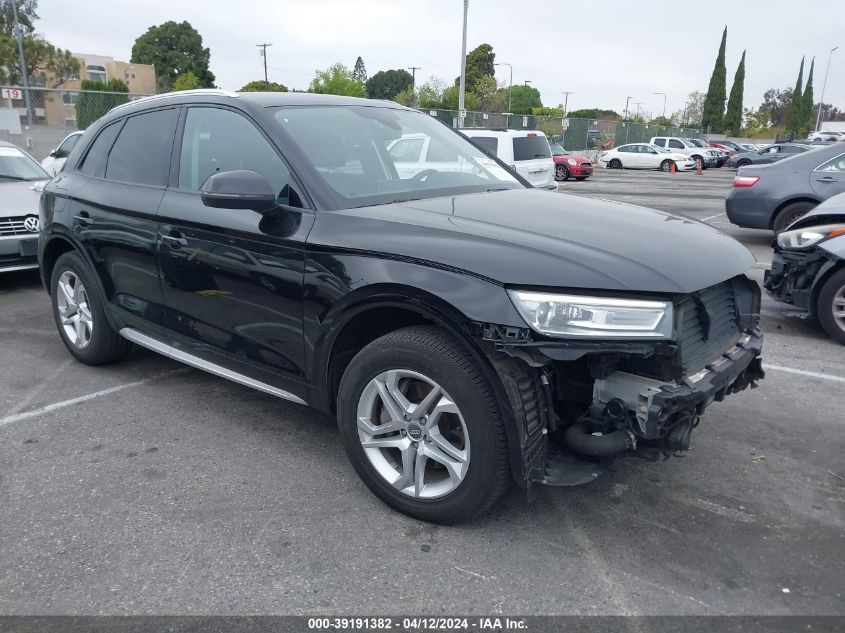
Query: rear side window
(141, 153)
(489, 144)
(660, 141)
(531, 148)
(675, 144)
(837, 164)
(95, 161)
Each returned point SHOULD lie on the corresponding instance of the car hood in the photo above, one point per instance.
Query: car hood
(527, 237)
(578, 157)
(18, 198)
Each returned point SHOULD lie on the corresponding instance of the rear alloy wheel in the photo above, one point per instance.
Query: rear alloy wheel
(666, 165)
(422, 427)
(615, 164)
(561, 173)
(789, 214)
(743, 163)
(79, 311)
(830, 306)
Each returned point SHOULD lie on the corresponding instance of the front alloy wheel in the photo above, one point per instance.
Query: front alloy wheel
(413, 434)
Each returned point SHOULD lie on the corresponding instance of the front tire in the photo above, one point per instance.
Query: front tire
(666, 165)
(561, 173)
(830, 306)
(422, 427)
(615, 164)
(79, 312)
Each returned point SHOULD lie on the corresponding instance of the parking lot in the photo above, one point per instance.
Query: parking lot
(147, 487)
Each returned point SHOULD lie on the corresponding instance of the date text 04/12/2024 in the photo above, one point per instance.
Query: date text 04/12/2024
(417, 623)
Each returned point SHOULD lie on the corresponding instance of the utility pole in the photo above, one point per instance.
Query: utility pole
(566, 94)
(462, 86)
(263, 53)
(664, 101)
(824, 85)
(414, 70)
(638, 104)
(626, 107)
(18, 31)
(526, 82)
(510, 84)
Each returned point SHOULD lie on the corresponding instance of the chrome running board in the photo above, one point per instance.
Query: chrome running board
(194, 361)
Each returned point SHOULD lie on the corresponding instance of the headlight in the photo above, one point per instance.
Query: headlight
(809, 236)
(572, 161)
(599, 317)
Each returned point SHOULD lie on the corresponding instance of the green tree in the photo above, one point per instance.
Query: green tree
(174, 48)
(26, 16)
(186, 81)
(259, 85)
(594, 113)
(547, 111)
(794, 119)
(450, 99)
(776, 103)
(337, 80)
(755, 123)
(430, 94)
(360, 71)
(479, 64)
(96, 98)
(807, 105)
(386, 84)
(43, 61)
(523, 99)
(733, 116)
(487, 94)
(714, 102)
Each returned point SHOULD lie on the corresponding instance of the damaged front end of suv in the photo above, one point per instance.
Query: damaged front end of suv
(617, 376)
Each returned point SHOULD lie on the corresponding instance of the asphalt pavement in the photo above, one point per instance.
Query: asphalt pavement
(145, 487)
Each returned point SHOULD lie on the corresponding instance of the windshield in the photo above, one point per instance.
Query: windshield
(15, 165)
(375, 155)
(557, 150)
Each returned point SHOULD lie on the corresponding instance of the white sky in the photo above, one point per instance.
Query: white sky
(602, 51)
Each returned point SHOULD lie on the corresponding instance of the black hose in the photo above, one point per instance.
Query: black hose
(580, 440)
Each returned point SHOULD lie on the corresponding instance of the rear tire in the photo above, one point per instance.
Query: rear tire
(79, 311)
(412, 362)
(615, 164)
(830, 306)
(789, 214)
(744, 162)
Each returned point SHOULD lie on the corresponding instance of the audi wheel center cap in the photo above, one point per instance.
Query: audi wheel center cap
(415, 431)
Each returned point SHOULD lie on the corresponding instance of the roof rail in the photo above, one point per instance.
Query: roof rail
(199, 91)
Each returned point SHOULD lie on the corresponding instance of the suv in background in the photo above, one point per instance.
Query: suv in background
(826, 135)
(704, 156)
(720, 158)
(459, 324)
(57, 157)
(526, 151)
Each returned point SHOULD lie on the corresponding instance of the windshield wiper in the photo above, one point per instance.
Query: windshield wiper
(21, 178)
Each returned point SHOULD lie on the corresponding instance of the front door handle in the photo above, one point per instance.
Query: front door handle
(826, 179)
(175, 239)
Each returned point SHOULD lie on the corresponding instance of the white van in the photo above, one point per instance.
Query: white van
(526, 151)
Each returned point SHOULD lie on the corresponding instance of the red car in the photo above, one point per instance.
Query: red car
(569, 165)
(727, 146)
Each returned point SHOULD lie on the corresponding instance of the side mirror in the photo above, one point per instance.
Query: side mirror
(240, 189)
(54, 153)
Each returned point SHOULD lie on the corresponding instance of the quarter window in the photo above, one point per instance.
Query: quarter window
(141, 153)
(835, 164)
(217, 140)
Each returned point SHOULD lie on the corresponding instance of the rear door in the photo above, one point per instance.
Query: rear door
(232, 279)
(113, 214)
(532, 158)
(828, 179)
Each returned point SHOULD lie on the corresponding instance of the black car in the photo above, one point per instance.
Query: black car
(774, 196)
(464, 328)
(808, 267)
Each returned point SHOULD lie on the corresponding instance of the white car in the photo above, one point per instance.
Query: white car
(526, 151)
(644, 156)
(685, 147)
(56, 159)
(826, 135)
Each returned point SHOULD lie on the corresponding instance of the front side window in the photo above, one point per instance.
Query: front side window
(336, 138)
(530, 148)
(660, 141)
(835, 164)
(217, 140)
(141, 153)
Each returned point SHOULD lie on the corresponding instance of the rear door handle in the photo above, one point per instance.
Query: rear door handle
(826, 179)
(83, 218)
(175, 239)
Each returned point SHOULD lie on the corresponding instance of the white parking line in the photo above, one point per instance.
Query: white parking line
(9, 419)
(713, 216)
(804, 372)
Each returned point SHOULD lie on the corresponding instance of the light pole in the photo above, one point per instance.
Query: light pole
(510, 84)
(566, 94)
(18, 31)
(824, 85)
(462, 86)
(664, 102)
(626, 107)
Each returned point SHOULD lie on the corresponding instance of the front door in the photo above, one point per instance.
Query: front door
(232, 278)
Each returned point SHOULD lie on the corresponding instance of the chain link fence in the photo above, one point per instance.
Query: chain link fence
(38, 124)
(573, 134)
